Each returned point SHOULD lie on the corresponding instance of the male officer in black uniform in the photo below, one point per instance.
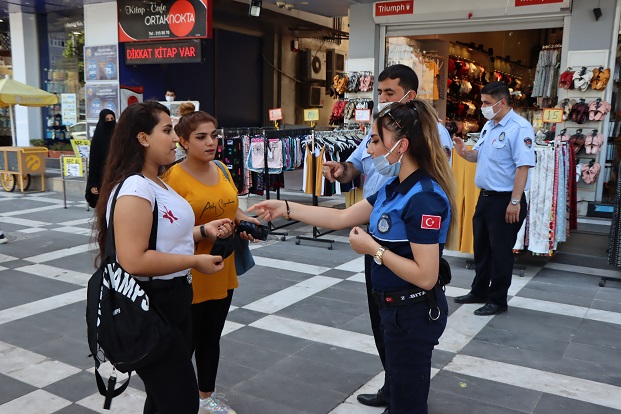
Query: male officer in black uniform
(504, 154)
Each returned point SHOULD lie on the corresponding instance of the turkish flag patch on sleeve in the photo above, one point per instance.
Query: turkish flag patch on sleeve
(430, 222)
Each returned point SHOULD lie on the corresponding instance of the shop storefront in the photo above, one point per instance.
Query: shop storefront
(526, 43)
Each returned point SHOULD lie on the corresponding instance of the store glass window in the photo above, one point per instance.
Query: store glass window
(63, 72)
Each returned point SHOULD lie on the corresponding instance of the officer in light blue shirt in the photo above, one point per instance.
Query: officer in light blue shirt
(504, 154)
(396, 83)
(362, 162)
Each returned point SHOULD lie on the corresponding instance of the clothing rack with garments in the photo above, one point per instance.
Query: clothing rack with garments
(547, 72)
(257, 157)
(551, 200)
(290, 138)
(334, 145)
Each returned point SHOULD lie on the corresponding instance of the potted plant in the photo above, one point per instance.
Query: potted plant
(60, 148)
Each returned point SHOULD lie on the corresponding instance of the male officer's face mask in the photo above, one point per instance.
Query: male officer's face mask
(382, 105)
(170, 98)
(488, 111)
(384, 167)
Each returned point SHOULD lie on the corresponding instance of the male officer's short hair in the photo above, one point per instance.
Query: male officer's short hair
(407, 77)
(497, 90)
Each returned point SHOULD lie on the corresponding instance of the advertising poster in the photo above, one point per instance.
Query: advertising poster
(100, 96)
(90, 128)
(100, 63)
(69, 108)
(166, 19)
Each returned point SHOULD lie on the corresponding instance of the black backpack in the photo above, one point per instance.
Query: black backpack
(122, 326)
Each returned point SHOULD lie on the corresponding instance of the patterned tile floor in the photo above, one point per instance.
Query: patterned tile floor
(298, 340)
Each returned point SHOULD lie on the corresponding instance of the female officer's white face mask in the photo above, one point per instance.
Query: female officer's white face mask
(384, 167)
(488, 111)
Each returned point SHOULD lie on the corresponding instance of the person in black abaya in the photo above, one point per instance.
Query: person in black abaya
(100, 144)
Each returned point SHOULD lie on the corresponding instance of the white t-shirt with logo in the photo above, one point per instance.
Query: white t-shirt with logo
(175, 217)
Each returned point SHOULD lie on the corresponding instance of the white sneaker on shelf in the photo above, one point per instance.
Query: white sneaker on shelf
(213, 404)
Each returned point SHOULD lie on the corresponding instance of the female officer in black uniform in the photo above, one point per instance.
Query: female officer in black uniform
(409, 222)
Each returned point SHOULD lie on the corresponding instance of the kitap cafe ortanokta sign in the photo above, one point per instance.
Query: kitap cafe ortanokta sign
(167, 19)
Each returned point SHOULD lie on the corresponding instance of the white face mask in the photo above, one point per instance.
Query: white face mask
(488, 111)
(382, 105)
(170, 98)
(384, 167)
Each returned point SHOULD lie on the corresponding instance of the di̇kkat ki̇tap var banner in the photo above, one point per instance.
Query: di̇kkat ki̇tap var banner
(167, 19)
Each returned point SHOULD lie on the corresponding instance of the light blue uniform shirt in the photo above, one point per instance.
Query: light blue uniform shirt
(364, 163)
(502, 148)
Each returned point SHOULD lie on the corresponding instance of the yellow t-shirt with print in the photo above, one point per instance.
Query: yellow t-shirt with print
(209, 202)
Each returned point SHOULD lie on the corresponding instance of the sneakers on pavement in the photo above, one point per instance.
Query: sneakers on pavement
(3, 239)
(214, 405)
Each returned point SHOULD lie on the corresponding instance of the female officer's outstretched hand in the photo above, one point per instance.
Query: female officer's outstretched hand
(362, 242)
(269, 210)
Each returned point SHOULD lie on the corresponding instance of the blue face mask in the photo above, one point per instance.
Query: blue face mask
(384, 167)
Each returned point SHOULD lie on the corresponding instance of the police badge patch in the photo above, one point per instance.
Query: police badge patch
(528, 142)
(384, 223)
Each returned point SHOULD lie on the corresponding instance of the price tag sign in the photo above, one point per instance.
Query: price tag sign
(275, 114)
(81, 147)
(553, 115)
(363, 115)
(73, 167)
(311, 115)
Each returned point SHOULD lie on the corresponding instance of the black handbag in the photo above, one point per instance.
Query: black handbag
(243, 257)
(123, 327)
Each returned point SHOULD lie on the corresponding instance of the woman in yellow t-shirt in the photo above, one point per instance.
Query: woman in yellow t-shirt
(212, 196)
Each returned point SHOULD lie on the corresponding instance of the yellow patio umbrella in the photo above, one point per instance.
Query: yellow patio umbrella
(14, 93)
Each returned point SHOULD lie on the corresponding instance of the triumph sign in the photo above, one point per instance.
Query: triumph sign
(166, 19)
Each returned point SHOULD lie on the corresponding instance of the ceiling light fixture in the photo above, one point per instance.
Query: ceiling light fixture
(255, 8)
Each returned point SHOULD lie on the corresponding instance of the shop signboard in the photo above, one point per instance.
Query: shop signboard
(552, 115)
(101, 96)
(166, 19)
(100, 63)
(81, 147)
(275, 114)
(519, 3)
(69, 108)
(311, 115)
(73, 167)
(392, 8)
(180, 51)
(362, 115)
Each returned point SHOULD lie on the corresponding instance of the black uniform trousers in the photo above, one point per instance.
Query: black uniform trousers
(410, 338)
(494, 239)
(376, 322)
(170, 381)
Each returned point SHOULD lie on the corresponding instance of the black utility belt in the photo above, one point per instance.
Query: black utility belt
(390, 299)
(488, 193)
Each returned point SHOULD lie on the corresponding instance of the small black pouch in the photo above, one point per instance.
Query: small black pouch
(223, 247)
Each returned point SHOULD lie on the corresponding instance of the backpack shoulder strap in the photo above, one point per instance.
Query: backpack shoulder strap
(225, 171)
